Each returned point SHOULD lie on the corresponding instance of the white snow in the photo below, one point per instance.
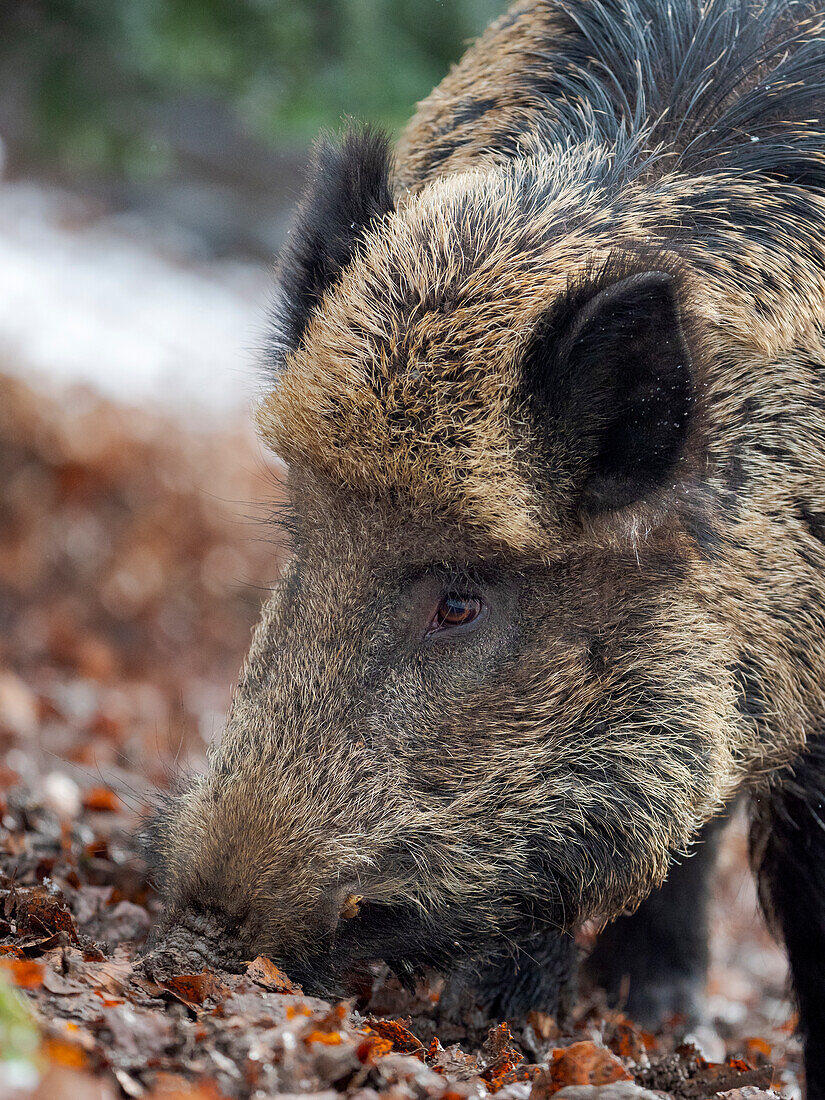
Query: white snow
(86, 298)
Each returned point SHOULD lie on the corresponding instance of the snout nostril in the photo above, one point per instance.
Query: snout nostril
(190, 939)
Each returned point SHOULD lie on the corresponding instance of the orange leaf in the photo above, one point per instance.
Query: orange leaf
(193, 989)
(399, 1035)
(25, 973)
(264, 972)
(738, 1064)
(502, 1058)
(331, 1020)
(329, 1038)
(372, 1048)
(581, 1064)
(625, 1040)
(754, 1046)
(108, 1002)
(100, 800)
(60, 1053)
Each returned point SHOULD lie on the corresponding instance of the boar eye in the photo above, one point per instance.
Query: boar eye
(456, 612)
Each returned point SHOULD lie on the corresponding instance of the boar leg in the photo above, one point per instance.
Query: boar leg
(788, 854)
(538, 974)
(654, 961)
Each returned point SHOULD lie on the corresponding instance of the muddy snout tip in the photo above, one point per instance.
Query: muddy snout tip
(187, 943)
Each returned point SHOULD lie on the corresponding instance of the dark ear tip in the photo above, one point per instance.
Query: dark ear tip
(360, 156)
(661, 285)
(643, 301)
(609, 378)
(348, 190)
(645, 279)
(638, 290)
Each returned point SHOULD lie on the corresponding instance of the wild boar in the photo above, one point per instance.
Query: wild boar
(550, 384)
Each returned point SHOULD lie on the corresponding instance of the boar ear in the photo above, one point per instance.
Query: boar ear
(609, 383)
(347, 191)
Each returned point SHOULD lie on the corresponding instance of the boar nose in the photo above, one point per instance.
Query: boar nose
(187, 941)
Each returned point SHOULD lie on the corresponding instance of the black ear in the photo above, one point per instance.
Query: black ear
(609, 384)
(348, 190)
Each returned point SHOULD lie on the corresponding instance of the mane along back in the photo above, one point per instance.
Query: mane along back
(700, 85)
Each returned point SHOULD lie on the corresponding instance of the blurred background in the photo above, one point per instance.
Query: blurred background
(155, 148)
(151, 152)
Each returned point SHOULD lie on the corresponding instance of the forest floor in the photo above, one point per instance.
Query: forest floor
(132, 566)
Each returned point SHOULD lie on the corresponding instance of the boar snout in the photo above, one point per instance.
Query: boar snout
(189, 940)
(193, 937)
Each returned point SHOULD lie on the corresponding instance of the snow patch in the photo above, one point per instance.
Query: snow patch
(91, 299)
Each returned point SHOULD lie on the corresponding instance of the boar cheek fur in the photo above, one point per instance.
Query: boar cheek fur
(553, 829)
(667, 648)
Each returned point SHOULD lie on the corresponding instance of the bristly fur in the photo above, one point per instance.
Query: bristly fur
(696, 85)
(565, 361)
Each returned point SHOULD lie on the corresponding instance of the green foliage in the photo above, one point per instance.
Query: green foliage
(19, 1040)
(101, 70)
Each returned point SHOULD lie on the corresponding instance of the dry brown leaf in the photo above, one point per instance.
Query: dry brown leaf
(265, 973)
(61, 985)
(582, 1063)
(25, 973)
(399, 1035)
(100, 800)
(112, 976)
(194, 990)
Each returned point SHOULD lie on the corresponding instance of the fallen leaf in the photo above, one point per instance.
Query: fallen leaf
(25, 973)
(625, 1040)
(399, 1035)
(373, 1047)
(754, 1047)
(265, 973)
(452, 1061)
(543, 1025)
(582, 1063)
(194, 990)
(498, 1057)
(100, 800)
(42, 916)
(114, 975)
(60, 985)
(61, 1053)
(330, 1038)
